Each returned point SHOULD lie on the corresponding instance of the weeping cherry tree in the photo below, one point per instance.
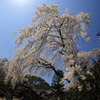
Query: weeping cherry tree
(50, 43)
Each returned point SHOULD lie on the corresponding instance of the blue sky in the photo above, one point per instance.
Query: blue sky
(15, 15)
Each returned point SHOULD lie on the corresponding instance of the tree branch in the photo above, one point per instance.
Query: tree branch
(48, 65)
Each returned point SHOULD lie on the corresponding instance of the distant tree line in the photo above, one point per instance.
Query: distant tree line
(35, 88)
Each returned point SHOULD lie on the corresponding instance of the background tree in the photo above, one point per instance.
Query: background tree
(57, 86)
(34, 87)
(91, 83)
(29, 89)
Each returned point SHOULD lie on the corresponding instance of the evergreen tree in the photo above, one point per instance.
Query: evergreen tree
(57, 86)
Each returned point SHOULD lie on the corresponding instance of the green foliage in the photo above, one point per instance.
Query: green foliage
(37, 83)
(30, 89)
(26, 93)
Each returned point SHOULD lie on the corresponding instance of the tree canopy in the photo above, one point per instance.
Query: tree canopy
(29, 89)
(49, 43)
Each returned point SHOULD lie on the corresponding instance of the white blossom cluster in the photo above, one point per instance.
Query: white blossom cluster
(81, 60)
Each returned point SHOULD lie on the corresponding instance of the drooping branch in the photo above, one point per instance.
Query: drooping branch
(49, 65)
